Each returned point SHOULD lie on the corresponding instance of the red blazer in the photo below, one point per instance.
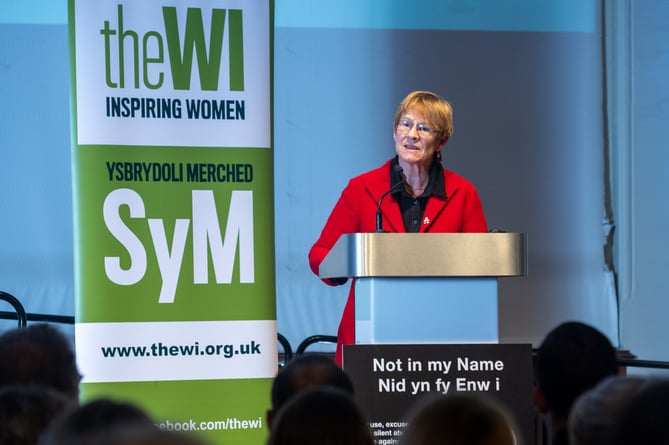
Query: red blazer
(355, 212)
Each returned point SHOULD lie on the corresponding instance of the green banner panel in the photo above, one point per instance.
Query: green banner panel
(174, 210)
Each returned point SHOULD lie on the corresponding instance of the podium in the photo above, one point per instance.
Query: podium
(426, 287)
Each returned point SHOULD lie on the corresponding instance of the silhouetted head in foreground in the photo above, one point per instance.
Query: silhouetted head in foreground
(459, 419)
(303, 372)
(322, 415)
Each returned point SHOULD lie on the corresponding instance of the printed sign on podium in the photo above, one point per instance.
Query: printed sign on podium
(390, 379)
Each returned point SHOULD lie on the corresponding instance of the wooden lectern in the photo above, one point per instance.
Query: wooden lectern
(426, 287)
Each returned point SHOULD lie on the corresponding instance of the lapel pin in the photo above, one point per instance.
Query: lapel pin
(426, 220)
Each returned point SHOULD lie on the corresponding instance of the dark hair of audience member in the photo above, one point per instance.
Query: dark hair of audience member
(302, 372)
(39, 354)
(322, 415)
(595, 416)
(27, 410)
(645, 419)
(96, 420)
(572, 358)
(458, 419)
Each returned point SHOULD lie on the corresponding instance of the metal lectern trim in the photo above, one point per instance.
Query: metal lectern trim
(360, 255)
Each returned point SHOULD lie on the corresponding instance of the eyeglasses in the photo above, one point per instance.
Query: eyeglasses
(404, 126)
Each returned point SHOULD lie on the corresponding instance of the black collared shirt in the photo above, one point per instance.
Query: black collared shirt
(413, 208)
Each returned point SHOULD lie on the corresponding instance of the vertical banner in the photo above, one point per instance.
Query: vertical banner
(174, 215)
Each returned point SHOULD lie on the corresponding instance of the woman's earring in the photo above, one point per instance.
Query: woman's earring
(437, 155)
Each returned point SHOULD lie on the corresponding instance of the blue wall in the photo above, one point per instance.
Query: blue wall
(526, 86)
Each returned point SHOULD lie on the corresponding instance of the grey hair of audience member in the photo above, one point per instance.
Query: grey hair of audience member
(595, 415)
(645, 418)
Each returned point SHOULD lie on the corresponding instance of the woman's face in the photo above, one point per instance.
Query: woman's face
(415, 140)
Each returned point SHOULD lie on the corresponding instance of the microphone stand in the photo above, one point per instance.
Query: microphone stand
(379, 216)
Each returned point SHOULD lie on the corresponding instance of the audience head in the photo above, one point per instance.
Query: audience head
(572, 358)
(645, 418)
(39, 354)
(97, 420)
(27, 410)
(595, 415)
(459, 419)
(322, 415)
(306, 371)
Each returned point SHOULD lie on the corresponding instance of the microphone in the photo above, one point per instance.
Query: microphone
(379, 217)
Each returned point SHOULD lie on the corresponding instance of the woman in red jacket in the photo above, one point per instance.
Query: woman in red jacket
(426, 197)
